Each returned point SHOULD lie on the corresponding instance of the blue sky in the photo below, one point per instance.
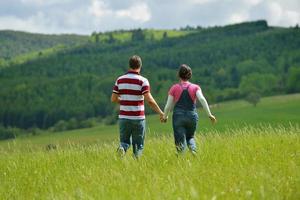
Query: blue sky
(86, 16)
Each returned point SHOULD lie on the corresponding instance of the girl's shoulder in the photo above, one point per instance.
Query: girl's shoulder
(194, 86)
(174, 89)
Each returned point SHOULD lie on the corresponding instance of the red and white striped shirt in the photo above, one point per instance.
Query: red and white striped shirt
(131, 87)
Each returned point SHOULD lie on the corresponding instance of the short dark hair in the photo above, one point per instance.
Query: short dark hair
(135, 62)
(184, 72)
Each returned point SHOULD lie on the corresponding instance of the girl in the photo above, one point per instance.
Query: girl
(182, 97)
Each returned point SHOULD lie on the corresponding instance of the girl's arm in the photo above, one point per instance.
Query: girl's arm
(169, 106)
(204, 103)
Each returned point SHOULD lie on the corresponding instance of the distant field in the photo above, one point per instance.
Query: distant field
(274, 111)
(149, 34)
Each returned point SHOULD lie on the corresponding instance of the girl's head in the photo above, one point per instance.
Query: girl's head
(184, 72)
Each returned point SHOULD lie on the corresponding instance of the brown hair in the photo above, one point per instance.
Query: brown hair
(135, 62)
(185, 72)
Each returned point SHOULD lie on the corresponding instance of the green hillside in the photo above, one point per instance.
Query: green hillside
(16, 43)
(75, 84)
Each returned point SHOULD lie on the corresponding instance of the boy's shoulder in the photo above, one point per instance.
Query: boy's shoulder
(143, 78)
(133, 76)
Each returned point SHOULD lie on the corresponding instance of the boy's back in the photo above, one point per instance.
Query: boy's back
(130, 88)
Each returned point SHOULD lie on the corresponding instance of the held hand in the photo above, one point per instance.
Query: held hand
(213, 119)
(163, 119)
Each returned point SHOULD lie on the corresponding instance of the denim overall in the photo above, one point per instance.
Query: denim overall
(185, 120)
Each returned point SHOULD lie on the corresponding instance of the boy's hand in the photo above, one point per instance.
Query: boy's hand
(213, 119)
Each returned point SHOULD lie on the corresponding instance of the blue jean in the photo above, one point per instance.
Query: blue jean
(132, 132)
(184, 127)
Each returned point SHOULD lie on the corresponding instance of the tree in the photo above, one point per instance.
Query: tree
(293, 81)
(97, 38)
(138, 35)
(165, 35)
(111, 38)
(221, 78)
(258, 83)
(253, 98)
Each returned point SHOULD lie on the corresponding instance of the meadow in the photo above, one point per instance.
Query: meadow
(252, 153)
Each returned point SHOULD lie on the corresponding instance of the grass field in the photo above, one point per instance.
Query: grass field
(252, 153)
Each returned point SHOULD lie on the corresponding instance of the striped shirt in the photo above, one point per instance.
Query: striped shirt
(130, 88)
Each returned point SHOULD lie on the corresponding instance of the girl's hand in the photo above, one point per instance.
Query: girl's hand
(213, 119)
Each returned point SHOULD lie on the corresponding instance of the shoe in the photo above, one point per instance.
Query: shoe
(194, 152)
(121, 151)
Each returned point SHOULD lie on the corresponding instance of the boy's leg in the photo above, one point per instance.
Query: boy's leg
(125, 132)
(179, 132)
(138, 137)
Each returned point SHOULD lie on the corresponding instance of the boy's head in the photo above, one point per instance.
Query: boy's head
(135, 62)
(185, 72)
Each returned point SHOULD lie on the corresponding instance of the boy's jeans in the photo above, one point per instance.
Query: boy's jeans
(132, 131)
(184, 127)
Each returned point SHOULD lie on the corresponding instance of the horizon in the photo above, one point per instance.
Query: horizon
(177, 29)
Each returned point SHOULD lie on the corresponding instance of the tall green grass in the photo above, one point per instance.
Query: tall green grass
(247, 163)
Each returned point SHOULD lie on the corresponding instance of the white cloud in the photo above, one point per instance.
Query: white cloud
(99, 9)
(238, 17)
(253, 2)
(278, 15)
(275, 12)
(29, 24)
(45, 2)
(139, 12)
(201, 1)
(292, 17)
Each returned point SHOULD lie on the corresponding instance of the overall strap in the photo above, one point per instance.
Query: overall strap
(185, 101)
(187, 88)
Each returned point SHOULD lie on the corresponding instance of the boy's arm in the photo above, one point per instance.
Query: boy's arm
(115, 98)
(153, 105)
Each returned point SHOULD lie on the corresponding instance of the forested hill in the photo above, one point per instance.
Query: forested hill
(15, 43)
(74, 84)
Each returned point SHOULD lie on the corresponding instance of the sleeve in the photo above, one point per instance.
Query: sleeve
(116, 88)
(198, 88)
(203, 102)
(145, 87)
(172, 90)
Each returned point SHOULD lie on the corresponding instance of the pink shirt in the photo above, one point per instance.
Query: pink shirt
(176, 90)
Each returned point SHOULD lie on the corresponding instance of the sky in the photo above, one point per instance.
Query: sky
(86, 16)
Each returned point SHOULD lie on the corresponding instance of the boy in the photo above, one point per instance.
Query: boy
(130, 91)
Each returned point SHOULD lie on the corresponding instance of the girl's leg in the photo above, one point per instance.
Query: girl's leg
(191, 129)
(179, 132)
